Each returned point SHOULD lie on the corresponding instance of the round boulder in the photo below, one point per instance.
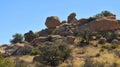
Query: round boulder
(52, 22)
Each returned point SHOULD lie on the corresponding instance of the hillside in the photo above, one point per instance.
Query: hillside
(85, 42)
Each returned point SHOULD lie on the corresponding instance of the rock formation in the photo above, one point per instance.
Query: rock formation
(72, 19)
(100, 25)
(74, 26)
(52, 22)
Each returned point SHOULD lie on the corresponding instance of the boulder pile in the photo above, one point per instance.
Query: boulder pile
(73, 26)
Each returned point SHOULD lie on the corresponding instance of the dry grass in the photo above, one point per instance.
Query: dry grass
(27, 58)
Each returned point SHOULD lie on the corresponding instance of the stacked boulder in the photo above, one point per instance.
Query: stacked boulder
(73, 26)
(72, 19)
(52, 22)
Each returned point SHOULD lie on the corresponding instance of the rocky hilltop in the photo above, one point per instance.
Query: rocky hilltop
(73, 26)
(85, 42)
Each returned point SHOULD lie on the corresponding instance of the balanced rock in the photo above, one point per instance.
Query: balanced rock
(72, 19)
(52, 22)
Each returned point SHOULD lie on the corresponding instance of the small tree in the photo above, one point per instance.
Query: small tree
(104, 14)
(86, 36)
(17, 38)
(52, 55)
(30, 36)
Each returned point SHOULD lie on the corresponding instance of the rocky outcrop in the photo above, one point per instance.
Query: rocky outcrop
(18, 49)
(52, 22)
(72, 19)
(82, 21)
(36, 59)
(45, 32)
(70, 39)
(102, 40)
(115, 41)
(64, 29)
(100, 25)
(39, 40)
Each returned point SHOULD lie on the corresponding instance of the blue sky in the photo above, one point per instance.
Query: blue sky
(20, 16)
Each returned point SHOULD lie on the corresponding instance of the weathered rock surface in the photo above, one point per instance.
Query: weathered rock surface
(100, 25)
(82, 21)
(36, 59)
(52, 22)
(64, 29)
(102, 40)
(72, 19)
(18, 49)
(39, 40)
(115, 41)
(45, 32)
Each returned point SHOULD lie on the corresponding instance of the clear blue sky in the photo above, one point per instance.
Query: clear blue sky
(20, 16)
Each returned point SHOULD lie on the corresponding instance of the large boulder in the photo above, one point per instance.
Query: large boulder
(45, 32)
(18, 49)
(115, 41)
(72, 19)
(39, 40)
(100, 25)
(64, 30)
(102, 41)
(70, 39)
(82, 21)
(52, 22)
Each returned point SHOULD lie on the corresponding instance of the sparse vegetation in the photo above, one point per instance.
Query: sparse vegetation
(17, 38)
(114, 46)
(52, 55)
(97, 48)
(35, 52)
(104, 14)
(30, 36)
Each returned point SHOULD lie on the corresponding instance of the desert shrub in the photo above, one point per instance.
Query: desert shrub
(20, 63)
(29, 36)
(65, 51)
(52, 55)
(114, 46)
(91, 19)
(102, 41)
(104, 14)
(17, 38)
(101, 50)
(1, 55)
(105, 46)
(90, 63)
(97, 55)
(5, 62)
(35, 52)
(111, 36)
(98, 36)
(117, 53)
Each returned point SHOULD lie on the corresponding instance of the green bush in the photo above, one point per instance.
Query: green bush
(52, 55)
(101, 50)
(29, 36)
(114, 46)
(105, 47)
(35, 52)
(97, 55)
(91, 19)
(17, 38)
(104, 14)
(5, 62)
